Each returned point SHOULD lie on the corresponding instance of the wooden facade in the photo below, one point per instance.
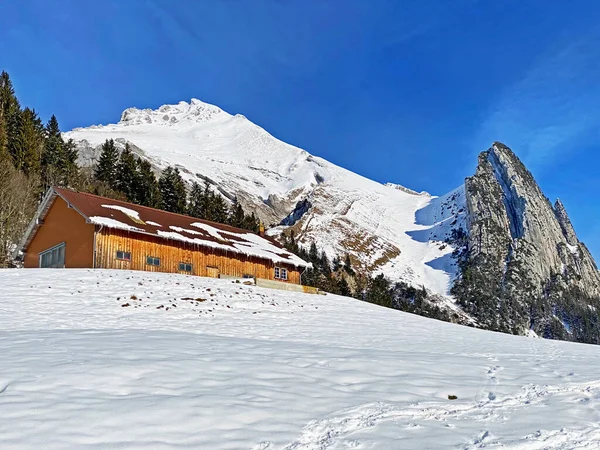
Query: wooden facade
(70, 232)
(63, 224)
(206, 262)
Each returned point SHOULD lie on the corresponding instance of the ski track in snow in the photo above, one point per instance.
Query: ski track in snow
(192, 362)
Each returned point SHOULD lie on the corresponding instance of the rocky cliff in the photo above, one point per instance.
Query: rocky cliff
(523, 266)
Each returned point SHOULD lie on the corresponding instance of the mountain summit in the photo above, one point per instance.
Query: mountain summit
(384, 228)
(524, 267)
(181, 114)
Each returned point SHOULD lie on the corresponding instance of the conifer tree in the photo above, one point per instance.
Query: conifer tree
(324, 264)
(214, 207)
(9, 112)
(342, 287)
(69, 170)
(52, 154)
(378, 292)
(197, 203)
(237, 218)
(336, 263)
(292, 245)
(106, 170)
(172, 191)
(147, 192)
(30, 143)
(313, 254)
(217, 210)
(251, 223)
(127, 175)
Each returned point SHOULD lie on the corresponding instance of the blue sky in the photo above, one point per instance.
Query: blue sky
(401, 91)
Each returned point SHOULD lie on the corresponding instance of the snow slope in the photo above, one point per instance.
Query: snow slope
(385, 228)
(214, 364)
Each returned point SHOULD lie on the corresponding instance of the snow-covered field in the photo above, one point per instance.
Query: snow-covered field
(210, 364)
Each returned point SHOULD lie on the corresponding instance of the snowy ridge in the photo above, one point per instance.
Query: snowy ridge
(380, 226)
(193, 112)
(120, 359)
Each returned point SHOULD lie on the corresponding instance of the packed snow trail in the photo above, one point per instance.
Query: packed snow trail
(117, 359)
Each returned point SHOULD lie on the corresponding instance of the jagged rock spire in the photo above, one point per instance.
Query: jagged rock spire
(565, 223)
(524, 259)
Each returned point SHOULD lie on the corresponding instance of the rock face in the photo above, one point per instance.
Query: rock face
(523, 266)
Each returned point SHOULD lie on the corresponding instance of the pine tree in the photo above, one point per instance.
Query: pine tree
(251, 223)
(218, 210)
(172, 191)
(378, 292)
(237, 218)
(324, 265)
(30, 143)
(69, 170)
(127, 175)
(147, 192)
(342, 287)
(52, 154)
(9, 114)
(106, 170)
(290, 243)
(336, 263)
(197, 203)
(313, 254)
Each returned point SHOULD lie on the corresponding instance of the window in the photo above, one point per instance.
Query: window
(185, 267)
(123, 256)
(152, 261)
(280, 273)
(53, 257)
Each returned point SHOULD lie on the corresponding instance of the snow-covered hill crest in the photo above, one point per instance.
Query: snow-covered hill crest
(384, 228)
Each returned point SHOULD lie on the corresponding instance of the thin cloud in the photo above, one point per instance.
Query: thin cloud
(554, 106)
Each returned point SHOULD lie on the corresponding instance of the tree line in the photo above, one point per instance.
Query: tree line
(339, 277)
(129, 177)
(34, 156)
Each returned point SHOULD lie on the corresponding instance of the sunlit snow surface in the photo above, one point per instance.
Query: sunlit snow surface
(390, 229)
(213, 364)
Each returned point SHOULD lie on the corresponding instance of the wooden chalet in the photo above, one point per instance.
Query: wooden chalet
(78, 230)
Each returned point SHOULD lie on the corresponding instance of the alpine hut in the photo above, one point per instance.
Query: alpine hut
(79, 230)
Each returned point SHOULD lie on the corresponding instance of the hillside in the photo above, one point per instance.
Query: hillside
(385, 228)
(494, 252)
(204, 363)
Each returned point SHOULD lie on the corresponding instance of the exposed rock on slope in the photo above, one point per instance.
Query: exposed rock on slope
(524, 266)
(521, 265)
(387, 229)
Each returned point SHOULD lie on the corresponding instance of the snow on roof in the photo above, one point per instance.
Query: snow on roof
(112, 223)
(141, 219)
(209, 229)
(129, 212)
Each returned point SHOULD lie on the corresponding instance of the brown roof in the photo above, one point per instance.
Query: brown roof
(167, 225)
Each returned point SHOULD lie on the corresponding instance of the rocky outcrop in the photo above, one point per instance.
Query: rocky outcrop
(565, 223)
(523, 262)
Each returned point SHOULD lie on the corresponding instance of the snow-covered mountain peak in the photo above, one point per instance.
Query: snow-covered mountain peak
(195, 111)
(384, 228)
